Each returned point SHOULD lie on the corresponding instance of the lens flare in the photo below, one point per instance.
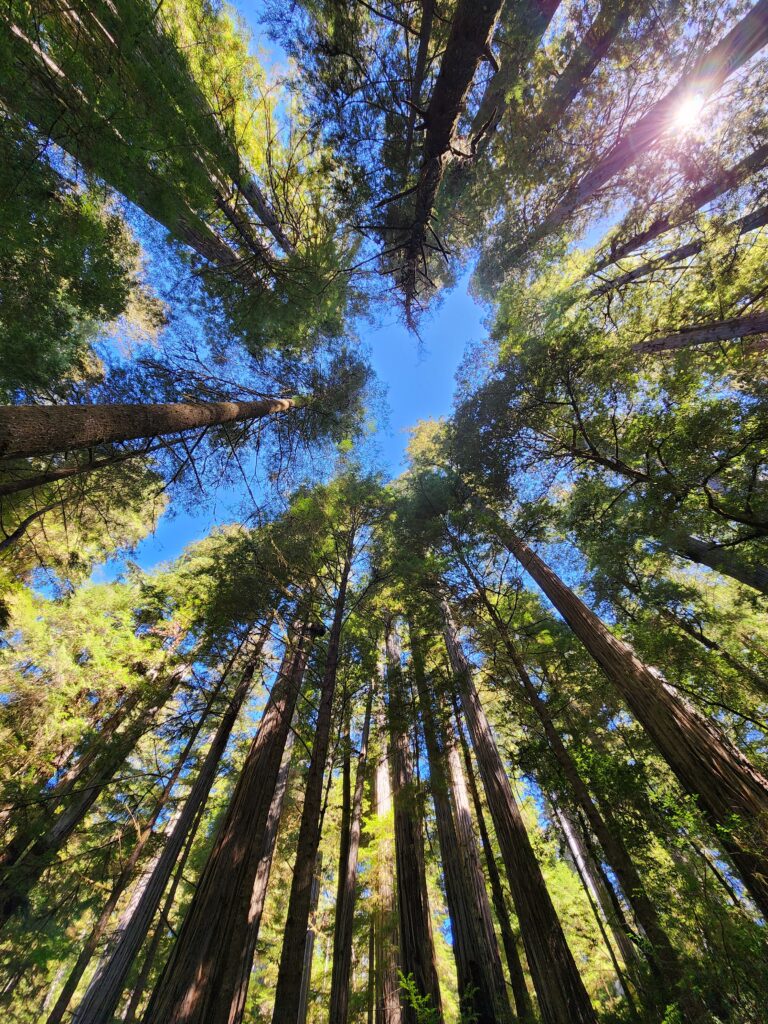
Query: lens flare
(687, 113)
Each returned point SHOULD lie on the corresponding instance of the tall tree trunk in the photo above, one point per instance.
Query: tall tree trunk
(723, 182)
(103, 993)
(748, 222)
(417, 951)
(560, 990)
(702, 757)
(721, 560)
(345, 899)
(721, 330)
(481, 986)
(288, 987)
(27, 430)
(706, 76)
(309, 948)
(662, 955)
(385, 923)
(206, 977)
(520, 993)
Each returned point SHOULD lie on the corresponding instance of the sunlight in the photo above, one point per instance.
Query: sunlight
(687, 113)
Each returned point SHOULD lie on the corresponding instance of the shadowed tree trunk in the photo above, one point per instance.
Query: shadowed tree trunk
(386, 938)
(722, 183)
(309, 948)
(560, 990)
(47, 429)
(482, 991)
(722, 330)
(103, 993)
(520, 993)
(706, 76)
(288, 987)
(702, 757)
(417, 951)
(345, 900)
(206, 977)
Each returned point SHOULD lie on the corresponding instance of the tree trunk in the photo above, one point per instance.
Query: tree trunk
(103, 993)
(309, 948)
(417, 951)
(722, 330)
(482, 991)
(345, 900)
(722, 561)
(27, 430)
(520, 994)
(288, 987)
(749, 222)
(602, 33)
(560, 990)
(386, 938)
(467, 44)
(704, 760)
(206, 977)
(706, 76)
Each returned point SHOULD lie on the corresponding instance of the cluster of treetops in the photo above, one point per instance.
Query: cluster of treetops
(487, 742)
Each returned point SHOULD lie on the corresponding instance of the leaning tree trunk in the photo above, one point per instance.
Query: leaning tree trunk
(721, 330)
(520, 994)
(560, 990)
(345, 902)
(723, 182)
(661, 953)
(417, 951)
(206, 977)
(288, 986)
(706, 76)
(702, 757)
(385, 939)
(27, 430)
(481, 986)
(103, 993)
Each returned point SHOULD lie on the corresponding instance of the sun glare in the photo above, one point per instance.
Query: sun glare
(688, 110)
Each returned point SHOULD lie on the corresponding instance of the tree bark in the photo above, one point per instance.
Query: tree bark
(749, 222)
(722, 183)
(386, 938)
(706, 76)
(721, 330)
(27, 430)
(520, 993)
(288, 987)
(560, 990)
(704, 760)
(481, 986)
(345, 900)
(206, 977)
(417, 951)
(309, 948)
(103, 993)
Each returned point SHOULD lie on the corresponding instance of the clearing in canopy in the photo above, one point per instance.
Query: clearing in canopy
(333, 692)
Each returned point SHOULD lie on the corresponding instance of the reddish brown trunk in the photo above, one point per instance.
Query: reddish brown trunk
(520, 994)
(417, 951)
(704, 760)
(482, 991)
(103, 993)
(386, 938)
(47, 429)
(345, 900)
(288, 987)
(206, 977)
(560, 990)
